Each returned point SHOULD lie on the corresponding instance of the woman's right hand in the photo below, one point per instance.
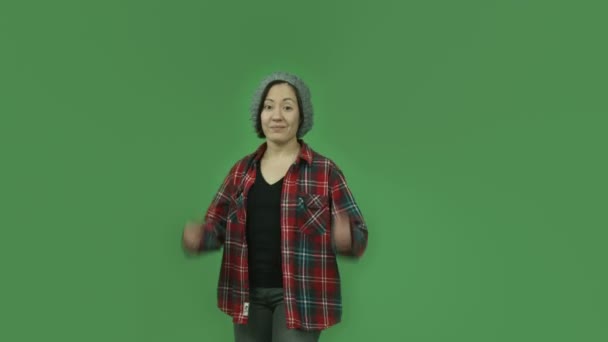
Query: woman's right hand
(193, 236)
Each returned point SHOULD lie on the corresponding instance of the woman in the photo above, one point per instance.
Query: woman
(282, 214)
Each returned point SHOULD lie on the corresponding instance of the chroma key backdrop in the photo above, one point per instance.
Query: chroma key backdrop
(473, 135)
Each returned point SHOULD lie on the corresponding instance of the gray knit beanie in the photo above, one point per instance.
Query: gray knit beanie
(304, 100)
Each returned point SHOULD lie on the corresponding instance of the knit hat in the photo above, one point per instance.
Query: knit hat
(303, 94)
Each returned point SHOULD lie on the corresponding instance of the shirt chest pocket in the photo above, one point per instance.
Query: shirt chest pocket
(312, 213)
(235, 208)
(235, 228)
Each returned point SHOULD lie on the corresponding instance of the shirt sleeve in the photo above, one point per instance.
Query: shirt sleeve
(342, 200)
(214, 226)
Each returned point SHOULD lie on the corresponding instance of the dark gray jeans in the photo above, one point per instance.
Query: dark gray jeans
(267, 321)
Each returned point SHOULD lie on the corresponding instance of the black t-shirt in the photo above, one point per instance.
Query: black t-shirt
(264, 232)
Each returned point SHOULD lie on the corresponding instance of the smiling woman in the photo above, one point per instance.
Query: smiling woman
(289, 210)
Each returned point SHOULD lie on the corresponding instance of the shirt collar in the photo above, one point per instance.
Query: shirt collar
(304, 155)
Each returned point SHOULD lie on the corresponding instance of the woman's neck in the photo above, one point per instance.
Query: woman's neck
(288, 150)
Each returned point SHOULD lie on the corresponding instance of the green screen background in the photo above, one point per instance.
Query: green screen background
(472, 134)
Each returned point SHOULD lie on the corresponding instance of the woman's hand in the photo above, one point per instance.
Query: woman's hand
(341, 233)
(193, 236)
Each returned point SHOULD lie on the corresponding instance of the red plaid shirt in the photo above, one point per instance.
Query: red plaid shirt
(313, 188)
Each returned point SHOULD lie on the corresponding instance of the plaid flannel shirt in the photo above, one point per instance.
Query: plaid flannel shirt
(313, 188)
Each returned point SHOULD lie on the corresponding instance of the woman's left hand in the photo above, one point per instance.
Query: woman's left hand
(341, 233)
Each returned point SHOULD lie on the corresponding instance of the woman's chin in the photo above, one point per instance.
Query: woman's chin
(279, 139)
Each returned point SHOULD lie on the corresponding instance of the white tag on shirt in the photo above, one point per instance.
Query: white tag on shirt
(246, 309)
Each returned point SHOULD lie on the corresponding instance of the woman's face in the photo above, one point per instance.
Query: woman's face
(280, 115)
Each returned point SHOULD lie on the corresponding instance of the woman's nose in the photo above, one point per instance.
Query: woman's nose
(277, 115)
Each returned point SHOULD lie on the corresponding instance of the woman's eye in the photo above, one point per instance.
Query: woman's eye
(288, 108)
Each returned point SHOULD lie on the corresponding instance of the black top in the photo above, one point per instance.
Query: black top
(264, 232)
